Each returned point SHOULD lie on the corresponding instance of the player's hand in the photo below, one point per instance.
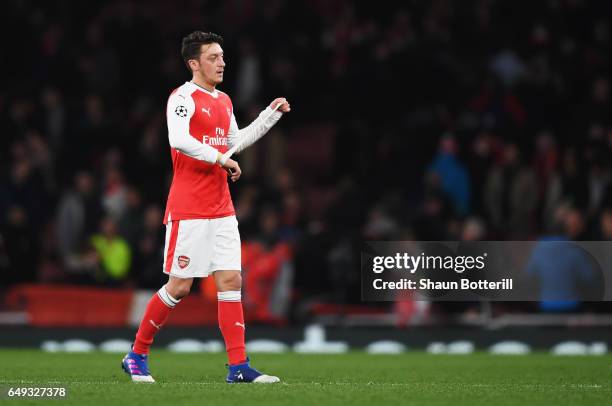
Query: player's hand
(233, 169)
(285, 106)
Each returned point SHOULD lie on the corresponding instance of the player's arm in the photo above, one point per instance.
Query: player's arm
(259, 127)
(179, 112)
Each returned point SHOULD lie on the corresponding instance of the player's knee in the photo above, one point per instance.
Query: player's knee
(178, 289)
(230, 281)
(181, 292)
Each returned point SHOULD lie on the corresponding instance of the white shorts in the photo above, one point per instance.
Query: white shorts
(196, 248)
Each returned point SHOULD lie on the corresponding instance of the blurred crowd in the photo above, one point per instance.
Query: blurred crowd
(429, 120)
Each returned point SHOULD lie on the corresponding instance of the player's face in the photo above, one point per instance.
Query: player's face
(211, 63)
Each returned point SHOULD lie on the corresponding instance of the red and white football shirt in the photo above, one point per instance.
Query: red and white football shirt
(198, 128)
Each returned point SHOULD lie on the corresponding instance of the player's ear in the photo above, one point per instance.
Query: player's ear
(194, 64)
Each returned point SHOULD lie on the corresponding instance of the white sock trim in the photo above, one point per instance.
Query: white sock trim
(166, 298)
(229, 296)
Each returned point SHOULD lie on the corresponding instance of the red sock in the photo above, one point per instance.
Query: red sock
(231, 323)
(155, 316)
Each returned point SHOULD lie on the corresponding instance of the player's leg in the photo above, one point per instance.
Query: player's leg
(158, 309)
(180, 238)
(226, 266)
(135, 363)
(230, 316)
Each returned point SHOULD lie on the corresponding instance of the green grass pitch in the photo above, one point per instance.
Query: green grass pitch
(352, 379)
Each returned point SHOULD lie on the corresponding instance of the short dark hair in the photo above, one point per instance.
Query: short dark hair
(192, 44)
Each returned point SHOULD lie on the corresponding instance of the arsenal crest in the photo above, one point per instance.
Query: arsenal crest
(183, 261)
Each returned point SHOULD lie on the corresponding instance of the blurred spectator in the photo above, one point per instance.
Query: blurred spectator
(115, 194)
(292, 216)
(248, 80)
(545, 160)
(41, 159)
(148, 249)
(78, 214)
(55, 118)
(435, 212)
(246, 210)
(114, 253)
(474, 229)
(508, 67)
(566, 185)
(482, 157)
(511, 195)
(605, 225)
(575, 226)
(453, 175)
(20, 244)
(131, 221)
(268, 271)
(380, 226)
(563, 269)
(26, 186)
(599, 183)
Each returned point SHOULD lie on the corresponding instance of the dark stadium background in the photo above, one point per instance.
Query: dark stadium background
(425, 120)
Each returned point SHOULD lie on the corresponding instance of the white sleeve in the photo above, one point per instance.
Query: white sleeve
(254, 131)
(179, 112)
